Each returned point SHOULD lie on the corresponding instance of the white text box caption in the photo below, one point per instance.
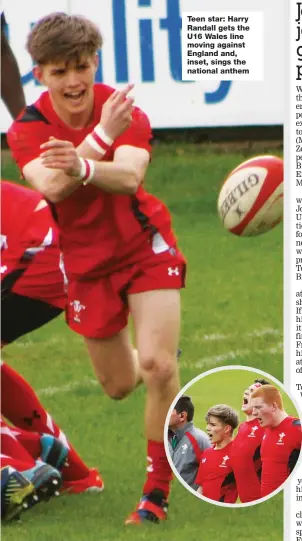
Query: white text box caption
(222, 45)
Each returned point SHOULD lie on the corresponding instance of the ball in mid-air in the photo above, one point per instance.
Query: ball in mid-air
(251, 199)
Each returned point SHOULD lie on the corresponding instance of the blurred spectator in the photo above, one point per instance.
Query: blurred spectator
(11, 86)
(186, 442)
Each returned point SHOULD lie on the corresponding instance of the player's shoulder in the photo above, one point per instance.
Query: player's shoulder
(30, 115)
(102, 91)
(209, 451)
(295, 423)
(9, 187)
(140, 119)
(292, 421)
(17, 193)
(243, 426)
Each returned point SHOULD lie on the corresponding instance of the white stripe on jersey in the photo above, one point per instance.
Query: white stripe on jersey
(46, 242)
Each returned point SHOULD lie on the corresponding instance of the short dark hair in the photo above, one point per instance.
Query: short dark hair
(62, 37)
(262, 381)
(185, 403)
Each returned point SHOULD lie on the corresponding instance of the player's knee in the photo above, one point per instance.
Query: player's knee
(118, 393)
(117, 390)
(157, 368)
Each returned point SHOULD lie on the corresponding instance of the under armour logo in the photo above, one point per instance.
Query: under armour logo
(3, 269)
(223, 463)
(184, 448)
(77, 309)
(29, 420)
(253, 430)
(280, 441)
(172, 271)
(203, 460)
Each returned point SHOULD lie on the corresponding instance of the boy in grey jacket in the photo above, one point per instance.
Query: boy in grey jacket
(186, 442)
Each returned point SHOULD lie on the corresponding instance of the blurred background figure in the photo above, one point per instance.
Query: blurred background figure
(11, 86)
(186, 441)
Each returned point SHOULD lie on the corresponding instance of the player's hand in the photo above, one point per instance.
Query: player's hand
(57, 154)
(117, 112)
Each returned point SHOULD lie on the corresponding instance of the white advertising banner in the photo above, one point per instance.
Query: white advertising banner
(142, 44)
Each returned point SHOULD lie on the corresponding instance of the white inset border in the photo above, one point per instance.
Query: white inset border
(182, 391)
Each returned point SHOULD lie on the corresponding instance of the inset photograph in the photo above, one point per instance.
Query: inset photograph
(233, 436)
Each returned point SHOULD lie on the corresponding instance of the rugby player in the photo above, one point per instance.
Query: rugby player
(86, 148)
(26, 477)
(28, 303)
(215, 476)
(246, 460)
(281, 443)
(32, 294)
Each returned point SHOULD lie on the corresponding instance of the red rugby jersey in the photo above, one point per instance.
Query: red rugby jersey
(29, 243)
(98, 230)
(215, 475)
(246, 460)
(280, 449)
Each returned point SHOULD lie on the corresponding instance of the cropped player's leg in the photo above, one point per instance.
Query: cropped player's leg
(46, 447)
(156, 316)
(22, 315)
(17, 493)
(54, 452)
(10, 446)
(45, 478)
(115, 363)
(16, 476)
(22, 407)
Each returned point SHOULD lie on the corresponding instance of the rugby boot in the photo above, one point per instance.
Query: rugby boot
(46, 479)
(17, 494)
(153, 507)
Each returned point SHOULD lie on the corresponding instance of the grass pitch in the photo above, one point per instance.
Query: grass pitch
(232, 314)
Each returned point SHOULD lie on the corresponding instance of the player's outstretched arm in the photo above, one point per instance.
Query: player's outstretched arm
(57, 172)
(125, 173)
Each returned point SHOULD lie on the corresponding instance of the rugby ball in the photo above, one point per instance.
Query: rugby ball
(250, 201)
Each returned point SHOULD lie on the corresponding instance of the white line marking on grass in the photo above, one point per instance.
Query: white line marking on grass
(233, 355)
(50, 391)
(260, 332)
(228, 356)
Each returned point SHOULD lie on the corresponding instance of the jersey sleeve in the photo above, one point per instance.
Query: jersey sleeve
(296, 440)
(138, 134)
(297, 434)
(24, 140)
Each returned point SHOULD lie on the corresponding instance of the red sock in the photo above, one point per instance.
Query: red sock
(21, 406)
(159, 473)
(31, 441)
(17, 464)
(11, 447)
